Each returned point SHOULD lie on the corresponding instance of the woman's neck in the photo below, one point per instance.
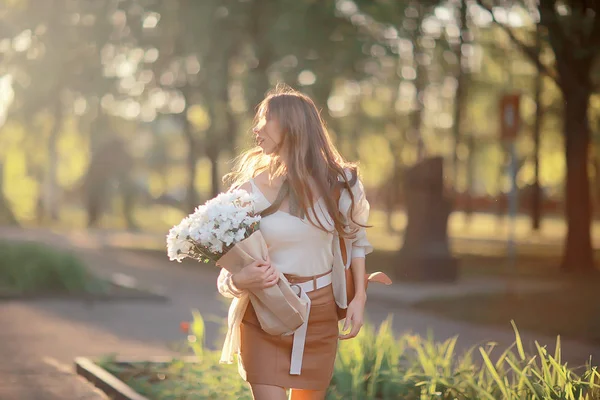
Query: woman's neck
(275, 176)
(275, 181)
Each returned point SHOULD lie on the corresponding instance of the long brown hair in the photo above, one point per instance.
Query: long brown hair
(310, 154)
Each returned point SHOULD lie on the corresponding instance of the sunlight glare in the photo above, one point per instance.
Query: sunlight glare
(432, 26)
(307, 78)
(443, 13)
(336, 105)
(6, 96)
(151, 20)
(22, 41)
(151, 55)
(347, 7)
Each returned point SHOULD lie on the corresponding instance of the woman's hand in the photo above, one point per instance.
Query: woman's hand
(258, 275)
(354, 317)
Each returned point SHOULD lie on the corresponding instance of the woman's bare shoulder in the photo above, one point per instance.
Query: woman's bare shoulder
(244, 186)
(262, 178)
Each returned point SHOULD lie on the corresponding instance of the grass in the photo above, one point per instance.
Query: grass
(34, 268)
(376, 365)
(179, 380)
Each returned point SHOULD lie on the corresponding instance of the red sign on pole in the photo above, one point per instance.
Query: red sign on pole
(510, 117)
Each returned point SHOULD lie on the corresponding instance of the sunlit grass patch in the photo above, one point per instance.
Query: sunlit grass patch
(377, 365)
(30, 267)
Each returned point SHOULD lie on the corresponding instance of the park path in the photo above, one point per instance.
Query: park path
(40, 339)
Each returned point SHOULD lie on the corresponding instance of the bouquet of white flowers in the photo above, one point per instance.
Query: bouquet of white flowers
(213, 228)
(225, 230)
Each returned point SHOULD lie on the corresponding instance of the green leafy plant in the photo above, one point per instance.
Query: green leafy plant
(376, 365)
(30, 267)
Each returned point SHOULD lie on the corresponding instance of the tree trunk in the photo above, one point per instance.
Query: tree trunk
(258, 78)
(99, 129)
(50, 189)
(597, 176)
(536, 197)
(392, 192)
(394, 185)
(416, 117)
(6, 215)
(470, 178)
(191, 200)
(222, 121)
(460, 90)
(212, 153)
(229, 121)
(578, 255)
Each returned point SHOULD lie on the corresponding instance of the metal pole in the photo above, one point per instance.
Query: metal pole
(513, 195)
(513, 203)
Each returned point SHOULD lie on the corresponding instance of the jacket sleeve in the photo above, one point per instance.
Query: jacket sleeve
(355, 216)
(360, 214)
(225, 285)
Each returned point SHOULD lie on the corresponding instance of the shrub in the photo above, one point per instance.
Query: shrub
(31, 267)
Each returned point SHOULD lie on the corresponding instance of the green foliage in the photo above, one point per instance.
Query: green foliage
(180, 380)
(376, 365)
(357, 60)
(198, 334)
(31, 267)
(368, 366)
(381, 367)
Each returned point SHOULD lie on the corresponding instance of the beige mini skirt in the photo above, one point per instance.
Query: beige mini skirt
(265, 359)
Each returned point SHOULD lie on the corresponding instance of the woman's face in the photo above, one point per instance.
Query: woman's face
(269, 135)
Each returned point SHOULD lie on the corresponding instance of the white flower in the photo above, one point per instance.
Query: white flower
(220, 222)
(200, 210)
(227, 224)
(239, 217)
(213, 212)
(177, 244)
(228, 238)
(240, 234)
(216, 247)
(249, 220)
(204, 237)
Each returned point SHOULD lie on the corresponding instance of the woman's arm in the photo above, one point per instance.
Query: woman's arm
(258, 275)
(356, 309)
(225, 285)
(358, 268)
(360, 248)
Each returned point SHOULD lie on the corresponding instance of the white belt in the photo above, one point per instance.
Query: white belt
(300, 333)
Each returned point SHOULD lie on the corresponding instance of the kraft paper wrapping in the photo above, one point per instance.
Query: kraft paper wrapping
(279, 309)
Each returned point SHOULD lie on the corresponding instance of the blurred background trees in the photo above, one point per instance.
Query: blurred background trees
(126, 113)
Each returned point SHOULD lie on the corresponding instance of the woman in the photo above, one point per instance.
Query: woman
(307, 194)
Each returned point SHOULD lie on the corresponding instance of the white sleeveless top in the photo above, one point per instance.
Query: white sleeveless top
(296, 246)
